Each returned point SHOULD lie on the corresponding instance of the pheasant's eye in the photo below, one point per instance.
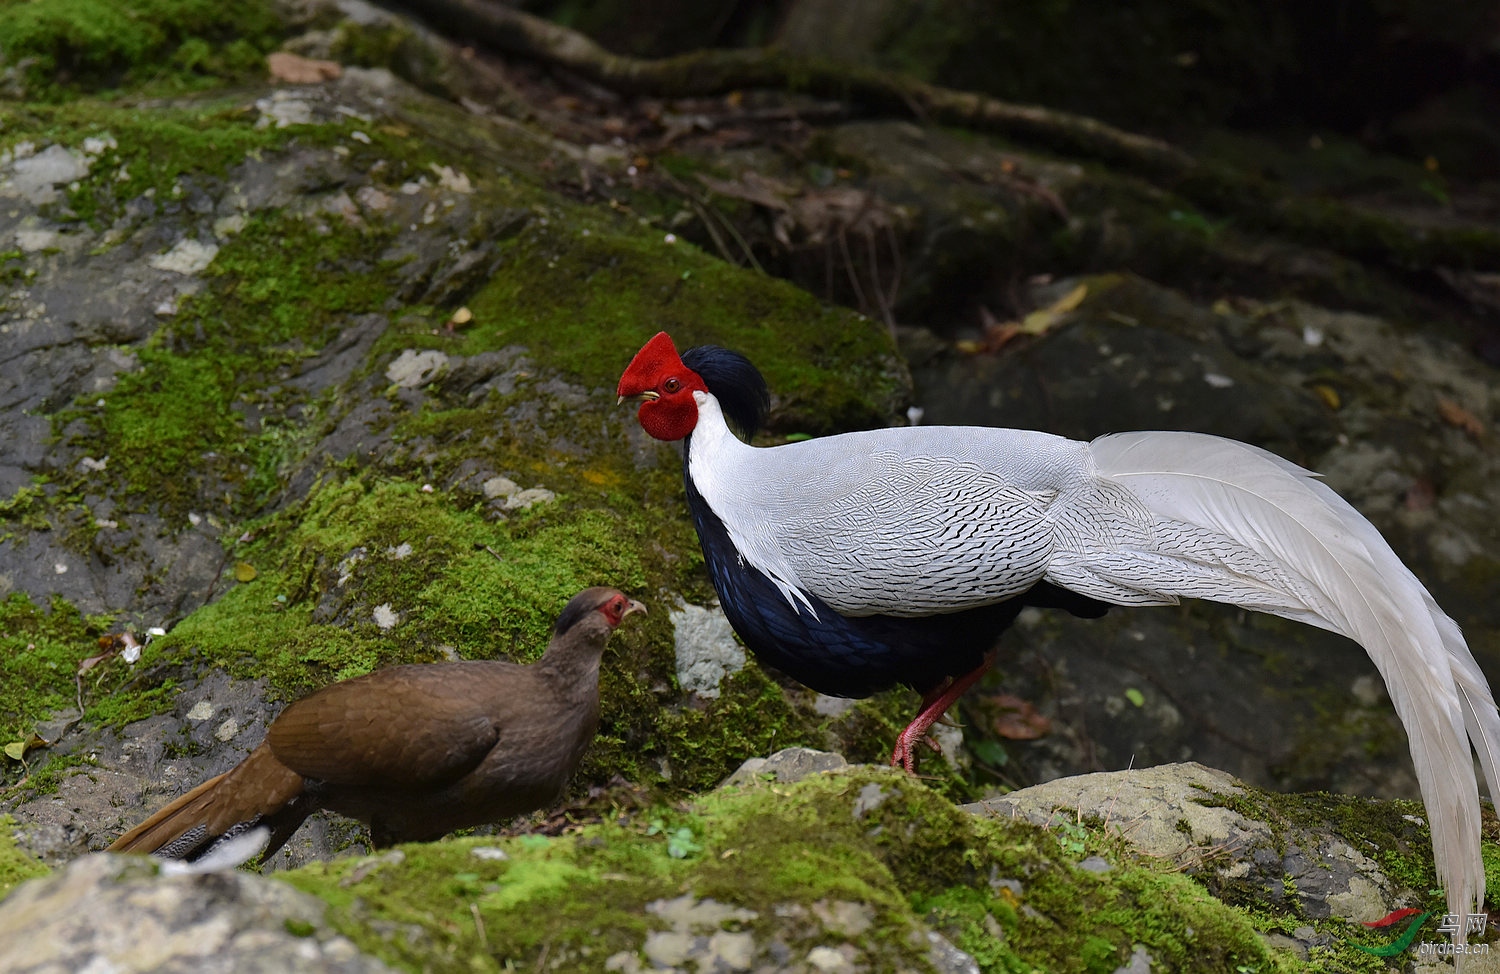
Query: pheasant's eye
(671, 385)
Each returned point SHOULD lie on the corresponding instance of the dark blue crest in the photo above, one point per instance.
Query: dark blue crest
(738, 385)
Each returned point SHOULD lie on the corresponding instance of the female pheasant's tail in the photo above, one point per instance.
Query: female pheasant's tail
(1233, 523)
(259, 791)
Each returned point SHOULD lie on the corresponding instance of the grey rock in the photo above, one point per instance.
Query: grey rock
(948, 959)
(705, 647)
(788, 765)
(115, 913)
(1167, 813)
(1139, 963)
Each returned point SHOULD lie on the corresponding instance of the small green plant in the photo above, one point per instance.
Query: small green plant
(680, 842)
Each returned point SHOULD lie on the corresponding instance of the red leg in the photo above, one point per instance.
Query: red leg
(934, 705)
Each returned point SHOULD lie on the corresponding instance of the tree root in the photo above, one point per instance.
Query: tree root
(1252, 201)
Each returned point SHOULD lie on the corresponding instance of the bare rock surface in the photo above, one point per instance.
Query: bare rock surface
(116, 914)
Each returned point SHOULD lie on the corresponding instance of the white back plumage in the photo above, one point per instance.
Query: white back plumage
(926, 520)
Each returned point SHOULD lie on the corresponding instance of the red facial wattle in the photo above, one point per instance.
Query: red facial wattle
(664, 386)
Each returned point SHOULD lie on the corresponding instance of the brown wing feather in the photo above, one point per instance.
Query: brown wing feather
(406, 726)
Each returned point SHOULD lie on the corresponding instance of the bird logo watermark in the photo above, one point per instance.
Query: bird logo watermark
(1474, 924)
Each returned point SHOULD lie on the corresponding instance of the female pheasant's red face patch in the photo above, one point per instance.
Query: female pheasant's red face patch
(658, 380)
(618, 606)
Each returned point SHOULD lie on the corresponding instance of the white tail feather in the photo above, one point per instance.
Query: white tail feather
(1246, 527)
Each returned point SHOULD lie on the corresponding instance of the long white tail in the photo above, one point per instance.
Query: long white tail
(1233, 523)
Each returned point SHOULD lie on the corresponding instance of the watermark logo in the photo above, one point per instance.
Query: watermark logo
(1409, 922)
(1403, 939)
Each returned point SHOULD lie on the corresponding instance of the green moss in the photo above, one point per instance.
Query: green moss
(15, 866)
(1393, 833)
(175, 428)
(782, 851)
(59, 47)
(40, 650)
(584, 298)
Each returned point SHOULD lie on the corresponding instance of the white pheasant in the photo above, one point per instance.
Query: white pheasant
(857, 562)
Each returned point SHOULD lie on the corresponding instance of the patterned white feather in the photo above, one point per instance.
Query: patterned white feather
(917, 521)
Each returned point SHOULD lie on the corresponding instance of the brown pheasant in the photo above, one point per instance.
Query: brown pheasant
(413, 751)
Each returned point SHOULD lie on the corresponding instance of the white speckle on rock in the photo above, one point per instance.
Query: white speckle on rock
(1217, 381)
(827, 706)
(227, 226)
(500, 487)
(32, 241)
(870, 797)
(283, 108)
(1312, 336)
(226, 731)
(489, 853)
(667, 948)
(451, 179)
(195, 519)
(413, 368)
(61, 568)
(93, 466)
(828, 960)
(35, 178)
(95, 145)
(705, 648)
(385, 616)
(399, 551)
(202, 710)
(1139, 963)
(624, 961)
(187, 256)
(528, 497)
(372, 199)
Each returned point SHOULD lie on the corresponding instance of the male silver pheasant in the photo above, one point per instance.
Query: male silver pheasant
(860, 561)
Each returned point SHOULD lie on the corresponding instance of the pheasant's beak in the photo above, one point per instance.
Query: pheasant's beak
(636, 400)
(632, 608)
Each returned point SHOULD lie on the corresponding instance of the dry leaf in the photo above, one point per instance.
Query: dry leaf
(1018, 719)
(298, 70)
(245, 572)
(1455, 415)
(1328, 394)
(1044, 320)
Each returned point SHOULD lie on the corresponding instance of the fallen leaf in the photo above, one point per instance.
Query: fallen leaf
(1421, 494)
(245, 572)
(1328, 394)
(1041, 321)
(298, 70)
(16, 750)
(1018, 719)
(1455, 415)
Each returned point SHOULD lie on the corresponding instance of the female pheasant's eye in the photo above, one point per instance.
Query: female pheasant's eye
(671, 385)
